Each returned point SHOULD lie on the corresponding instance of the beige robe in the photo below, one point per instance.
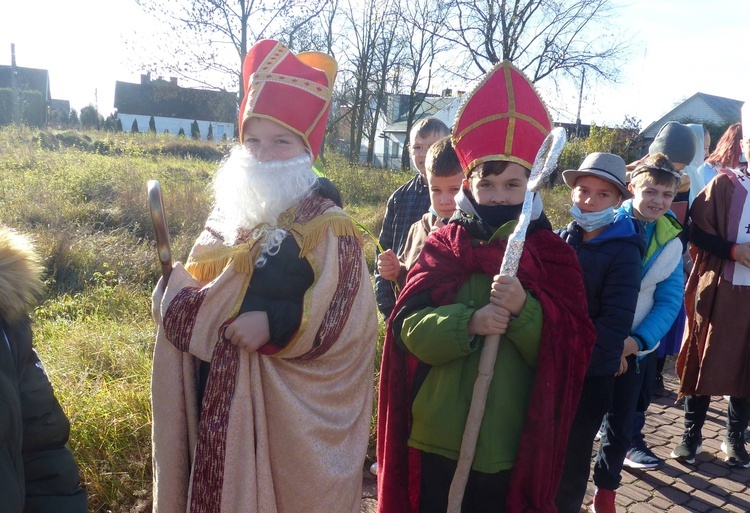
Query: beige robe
(288, 433)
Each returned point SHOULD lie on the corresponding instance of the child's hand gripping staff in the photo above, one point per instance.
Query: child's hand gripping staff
(161, 229)
(544, 163)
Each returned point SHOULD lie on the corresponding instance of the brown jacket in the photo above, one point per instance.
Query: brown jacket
(715, 353)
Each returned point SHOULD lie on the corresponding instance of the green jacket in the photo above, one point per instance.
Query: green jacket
(438, 337)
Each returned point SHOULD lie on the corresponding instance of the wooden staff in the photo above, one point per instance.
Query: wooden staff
(544, 163)
(161, 229)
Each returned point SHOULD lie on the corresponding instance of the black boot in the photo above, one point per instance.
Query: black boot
(691, 445)
(734, 443)
(692, 439)
(659, 390)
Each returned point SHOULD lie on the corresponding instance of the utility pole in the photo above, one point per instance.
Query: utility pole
(14, 85)
(580, 100)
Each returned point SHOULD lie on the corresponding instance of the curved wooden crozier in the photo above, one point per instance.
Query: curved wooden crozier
(161, 229)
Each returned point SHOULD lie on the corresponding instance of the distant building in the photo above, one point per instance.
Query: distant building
(573, 130)
(24, 83)
(174, 107)
(392, 137)
(699, 107)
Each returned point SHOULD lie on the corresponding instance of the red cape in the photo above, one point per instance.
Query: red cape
(549, 268)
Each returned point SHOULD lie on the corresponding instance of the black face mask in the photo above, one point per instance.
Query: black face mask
(498, 215)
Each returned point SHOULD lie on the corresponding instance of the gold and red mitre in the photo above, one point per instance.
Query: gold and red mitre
(292, 90)
(503, 118)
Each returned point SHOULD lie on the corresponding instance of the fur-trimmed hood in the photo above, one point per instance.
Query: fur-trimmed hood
(20, 270)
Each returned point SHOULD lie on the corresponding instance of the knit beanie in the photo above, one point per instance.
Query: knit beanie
(676, 141)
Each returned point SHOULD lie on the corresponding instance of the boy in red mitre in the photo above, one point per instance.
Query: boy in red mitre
(454, 297)
(262, 382)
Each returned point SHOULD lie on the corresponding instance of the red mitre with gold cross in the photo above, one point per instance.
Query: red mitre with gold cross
(503, 118)
(292, 90)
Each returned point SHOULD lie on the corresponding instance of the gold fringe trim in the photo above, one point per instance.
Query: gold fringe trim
(208, 267)
(309, 235)
(242, 257)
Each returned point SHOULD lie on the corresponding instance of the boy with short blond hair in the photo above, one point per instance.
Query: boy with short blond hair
(654, 185)
(444, 177)
(407, 204)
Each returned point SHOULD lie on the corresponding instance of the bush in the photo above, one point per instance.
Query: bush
(622, 141)
(90, 118)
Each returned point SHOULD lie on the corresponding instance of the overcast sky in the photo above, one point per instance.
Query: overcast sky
(680, 47)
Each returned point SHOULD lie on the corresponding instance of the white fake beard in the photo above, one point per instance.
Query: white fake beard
(249, 194)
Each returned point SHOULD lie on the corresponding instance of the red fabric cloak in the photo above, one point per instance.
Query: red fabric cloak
(549, 268)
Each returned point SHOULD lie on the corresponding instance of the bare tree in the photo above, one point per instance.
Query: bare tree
(389, 48)
(358, 46)
(325, 37)
(541, 37)
(207, 39)
(427, 21)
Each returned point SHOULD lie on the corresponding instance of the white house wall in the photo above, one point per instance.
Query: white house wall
(695, 108)
(446, 115)
(173, 125)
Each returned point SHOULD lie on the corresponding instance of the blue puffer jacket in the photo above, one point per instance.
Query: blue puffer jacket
(662, 283)
(611, 264)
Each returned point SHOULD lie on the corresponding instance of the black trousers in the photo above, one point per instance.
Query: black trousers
(596, 399)
(485, 493)
(618, 423)
(738, 415)
(647, 367)
(696, 409)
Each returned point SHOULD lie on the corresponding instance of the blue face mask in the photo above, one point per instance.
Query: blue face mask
(590, 221)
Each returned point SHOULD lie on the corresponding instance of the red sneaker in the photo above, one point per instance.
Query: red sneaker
(604, 501)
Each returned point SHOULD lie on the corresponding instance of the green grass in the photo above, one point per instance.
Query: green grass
(82, 198)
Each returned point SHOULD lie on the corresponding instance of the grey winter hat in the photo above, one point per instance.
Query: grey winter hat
(676, 141)
(606, 166)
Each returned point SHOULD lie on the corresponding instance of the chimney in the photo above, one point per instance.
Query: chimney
(145, 79)
(173, 80)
